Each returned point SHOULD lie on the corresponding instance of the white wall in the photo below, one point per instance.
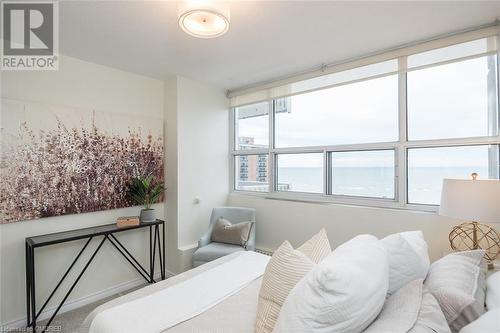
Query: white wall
(278, 220)
(170, 108)
(197, 153)
(203, 156)
(77, 84)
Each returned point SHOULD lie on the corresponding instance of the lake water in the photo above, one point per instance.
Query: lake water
(424, 183)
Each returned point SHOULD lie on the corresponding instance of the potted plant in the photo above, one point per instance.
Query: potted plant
(146, 191)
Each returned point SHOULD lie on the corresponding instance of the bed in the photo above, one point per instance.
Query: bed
(220, 296)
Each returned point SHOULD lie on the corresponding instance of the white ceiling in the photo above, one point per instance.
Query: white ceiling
(266, 40)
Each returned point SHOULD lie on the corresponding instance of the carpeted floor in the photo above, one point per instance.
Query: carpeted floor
(70, 321)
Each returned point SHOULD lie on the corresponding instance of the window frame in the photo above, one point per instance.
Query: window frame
(400, 148)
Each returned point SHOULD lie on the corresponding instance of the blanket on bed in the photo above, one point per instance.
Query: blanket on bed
(175, 303)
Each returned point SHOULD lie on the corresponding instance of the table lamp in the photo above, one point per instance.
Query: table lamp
(476, 201)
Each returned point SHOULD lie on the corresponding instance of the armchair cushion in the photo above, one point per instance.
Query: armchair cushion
(226, 232)
(214, 251)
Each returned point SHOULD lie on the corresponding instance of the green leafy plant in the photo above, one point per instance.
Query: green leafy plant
(146, 190)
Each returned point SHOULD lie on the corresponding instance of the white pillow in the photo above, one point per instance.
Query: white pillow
(493, 291)
(342, 294)
(408, 258)
(487, 323)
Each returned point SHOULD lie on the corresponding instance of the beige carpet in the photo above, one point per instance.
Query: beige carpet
(70, 321)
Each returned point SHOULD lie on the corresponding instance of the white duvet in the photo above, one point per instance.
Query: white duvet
(169, 307)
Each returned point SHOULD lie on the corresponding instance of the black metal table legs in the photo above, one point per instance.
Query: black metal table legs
(154, 243)
(30, 288)
(161, 251)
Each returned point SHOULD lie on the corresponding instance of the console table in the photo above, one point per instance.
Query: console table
(103, 232)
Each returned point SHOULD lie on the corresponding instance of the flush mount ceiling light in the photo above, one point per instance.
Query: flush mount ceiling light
(204, 19)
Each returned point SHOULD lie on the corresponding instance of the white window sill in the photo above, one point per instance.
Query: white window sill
(341, 201)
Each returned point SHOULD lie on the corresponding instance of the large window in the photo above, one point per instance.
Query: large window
(385, 134)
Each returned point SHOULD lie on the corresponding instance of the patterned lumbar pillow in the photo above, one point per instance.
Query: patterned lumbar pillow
(317, 248)
(287, 267)
(226, 232)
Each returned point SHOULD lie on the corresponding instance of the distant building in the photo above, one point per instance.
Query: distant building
(252, 167)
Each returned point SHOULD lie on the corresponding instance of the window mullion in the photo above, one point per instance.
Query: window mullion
(233, 130)
(338, 148)
(271, 161)
(453, 142)
(401, 162)
(251, 152)
(232, 139)
(493, 119)
(326, 173)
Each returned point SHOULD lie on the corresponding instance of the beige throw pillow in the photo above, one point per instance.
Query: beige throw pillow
(317, 248)
(226, 232)
(286, 267)
(458, 282)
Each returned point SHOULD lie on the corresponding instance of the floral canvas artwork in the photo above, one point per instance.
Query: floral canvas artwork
(57, 160)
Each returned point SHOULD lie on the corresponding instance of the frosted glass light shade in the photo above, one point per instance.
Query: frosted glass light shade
(472, 200)
(204, 19)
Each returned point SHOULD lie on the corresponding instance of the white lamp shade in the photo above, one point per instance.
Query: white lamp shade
(471, 200)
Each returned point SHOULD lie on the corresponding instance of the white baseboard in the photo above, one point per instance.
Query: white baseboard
(79, 302)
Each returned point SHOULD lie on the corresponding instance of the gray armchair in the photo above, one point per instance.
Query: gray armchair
(208, 250)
